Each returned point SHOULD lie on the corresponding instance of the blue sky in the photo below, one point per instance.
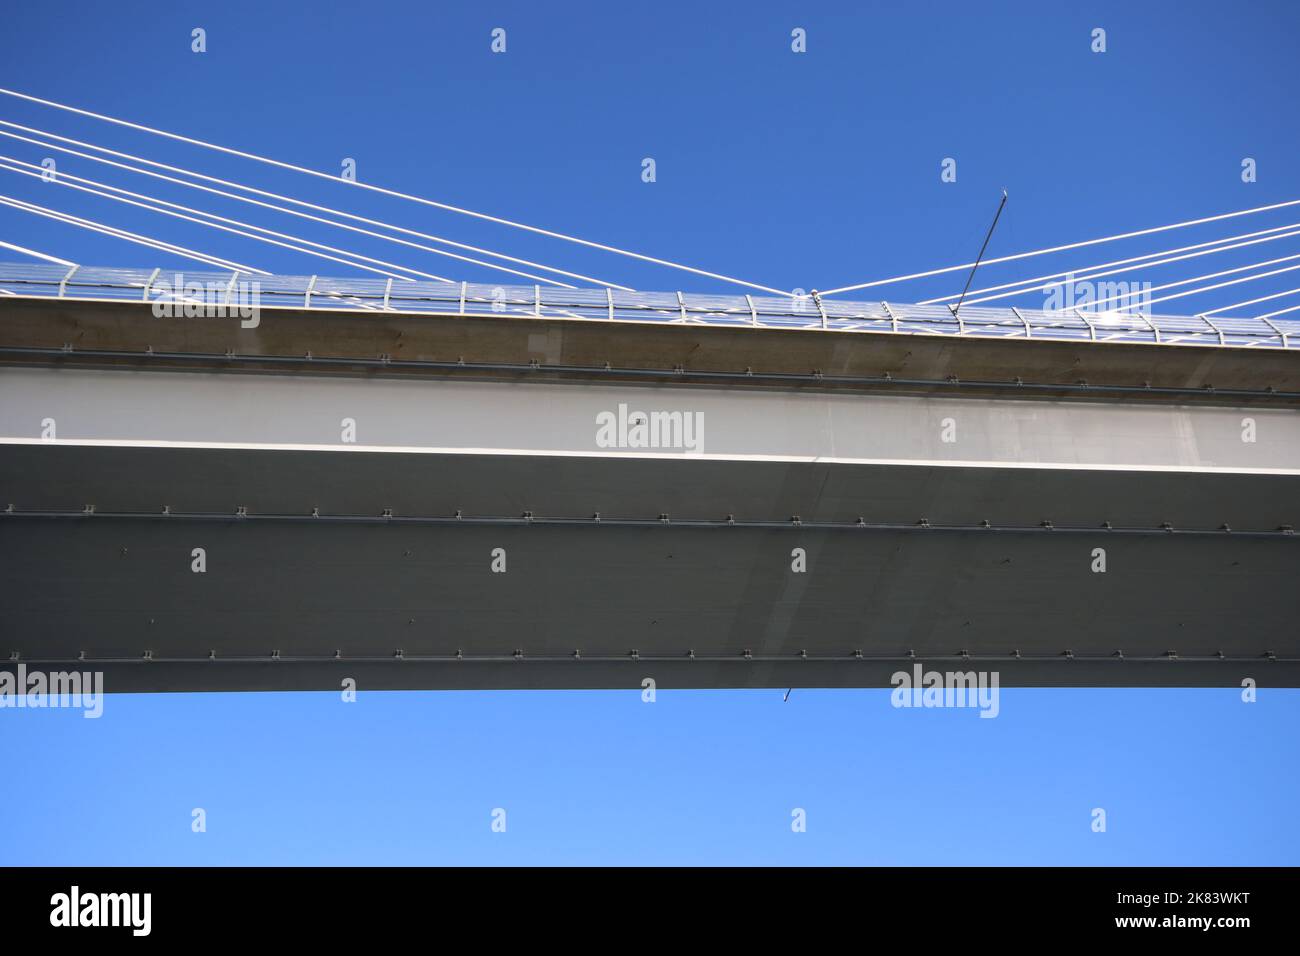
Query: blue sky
(698, 777)
(793, 170)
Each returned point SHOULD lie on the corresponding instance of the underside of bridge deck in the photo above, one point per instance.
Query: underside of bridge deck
(181, 526)
(695, 574)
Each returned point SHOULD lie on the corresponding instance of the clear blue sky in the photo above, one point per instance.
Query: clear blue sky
(809, 170)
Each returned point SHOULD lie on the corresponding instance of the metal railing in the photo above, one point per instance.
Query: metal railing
(609, 305)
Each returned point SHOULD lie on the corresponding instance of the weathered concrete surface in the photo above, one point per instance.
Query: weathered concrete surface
(586, 346)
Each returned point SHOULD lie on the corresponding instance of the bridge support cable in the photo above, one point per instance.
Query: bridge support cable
(36, 255)
(1262, 298)
(1209, 288)
(1268, 315)
(1061, 248)
(1174, 285)
(67, 179)
(1085, 273)
(294, 212)
(123, 234)
(396, 194)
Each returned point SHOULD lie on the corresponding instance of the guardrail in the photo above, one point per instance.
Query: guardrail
(804, 312)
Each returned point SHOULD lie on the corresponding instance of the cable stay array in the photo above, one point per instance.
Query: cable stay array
(192, 141)
(557, 277)
(48, 213)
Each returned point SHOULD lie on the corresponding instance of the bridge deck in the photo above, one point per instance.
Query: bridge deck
(322, 342)
(478, 433)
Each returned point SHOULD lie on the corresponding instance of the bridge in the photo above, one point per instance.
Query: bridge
(447, 485)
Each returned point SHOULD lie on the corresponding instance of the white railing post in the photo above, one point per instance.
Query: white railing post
(820, 308)
(63, 285)
(1022, 319)
(893, 317)
(1092, 330)
(1269, 322)
(1206, 320)
(1155, 332)
(148, 285)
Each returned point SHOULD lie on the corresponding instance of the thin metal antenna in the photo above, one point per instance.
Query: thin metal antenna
(957, 308)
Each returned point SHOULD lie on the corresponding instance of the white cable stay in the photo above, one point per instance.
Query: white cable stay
(306, 205)
(392, 192)
(1208, 288)
(67, 179)
(1262, 298)
(1079, 275)
(1195, 278)
(36, 255)
(177, 250)
(1067, 246)
(1269, 315)
(136, 238)
(1201, 278)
